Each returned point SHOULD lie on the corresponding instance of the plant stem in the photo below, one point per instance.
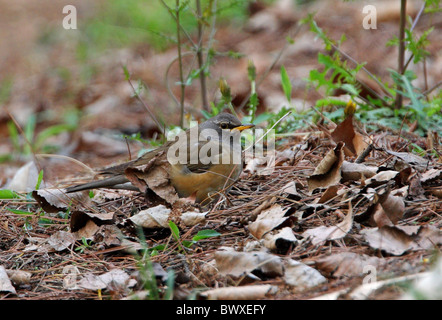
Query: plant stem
(401, 50)
(180, 61)
(200, 58)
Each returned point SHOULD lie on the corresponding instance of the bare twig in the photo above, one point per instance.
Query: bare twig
(199, 53)
(180, 61)
(149, 111)
(401, 54)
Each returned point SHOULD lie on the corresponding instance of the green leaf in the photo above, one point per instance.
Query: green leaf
(286, 85)
(175, 231)
(8, 194)
(21, 212)
(39, 180)
(126, 73)
(204, 234)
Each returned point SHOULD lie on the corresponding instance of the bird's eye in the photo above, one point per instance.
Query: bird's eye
(224, 125)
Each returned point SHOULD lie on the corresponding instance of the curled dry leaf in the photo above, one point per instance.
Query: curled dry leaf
(301, 276)
(354, 141)
(397, 240)
(191, 218)
(328, 194)
(268, 220)
(328, 171)
(86, 224)
(381, 178)
(355, 171)
(156, 217)
(346, 264)
(252, 292)
(414, 160)
(431, 175)
(53, 200)
(236, 264)
(25, 179)
(322, 233)
(280, 240)
(5, 283)
(385, 208)
(19, 277)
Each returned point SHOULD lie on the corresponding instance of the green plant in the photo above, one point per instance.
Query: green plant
(85, 244)
(390, 107)
(26, 141)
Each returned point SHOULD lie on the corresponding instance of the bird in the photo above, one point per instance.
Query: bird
(209, 160)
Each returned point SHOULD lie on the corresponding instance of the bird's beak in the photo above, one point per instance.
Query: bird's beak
(244, 127)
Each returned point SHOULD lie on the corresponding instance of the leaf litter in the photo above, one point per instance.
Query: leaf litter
(312, 227)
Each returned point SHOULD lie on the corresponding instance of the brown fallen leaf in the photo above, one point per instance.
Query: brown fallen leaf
(355, 171)
(328, 171)
(61, 240)
(5, 283)
(268, 220)
(86, 224)
(354, 142)
(431, 175)
(399, 239)
(152, 218)
(328, 194)
(346, 264)
(280, 240)
(322, 233)
(301, 276)
(237, 264)
(416, 161)
(386, 208)
(53, 200)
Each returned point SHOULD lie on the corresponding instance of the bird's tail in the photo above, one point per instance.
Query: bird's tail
(115, 182)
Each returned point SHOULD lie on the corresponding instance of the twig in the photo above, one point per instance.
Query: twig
(180, 61)
(401, 51)
(199, 54)
(151, 114)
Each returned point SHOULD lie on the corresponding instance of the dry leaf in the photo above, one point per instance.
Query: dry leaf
(268, 220)
(253, 292)
(61, 240)
(328, 194)
(153, 176)
(346, 264)
(301, 276)
(396, 239)
(5, 283)
(53, 200)
(418, 162)
(328, 171)
(19, 277)
(192, 218)
(381, 178)
(431, 175)
(281, 240)
(114, 278)
(25, 179)
(156, 217)
(322, 233)
(86, 224)
(354, 141)
(236, 264)
(355, 171)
